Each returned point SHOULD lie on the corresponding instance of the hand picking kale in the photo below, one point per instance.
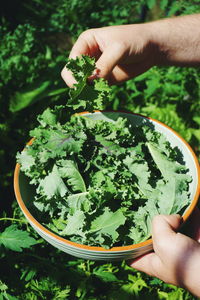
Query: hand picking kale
(100, 182)
(83, 95)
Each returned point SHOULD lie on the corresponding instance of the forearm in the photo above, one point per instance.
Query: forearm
(176, 40)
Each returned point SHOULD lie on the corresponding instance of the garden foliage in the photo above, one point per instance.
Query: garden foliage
(36, 37)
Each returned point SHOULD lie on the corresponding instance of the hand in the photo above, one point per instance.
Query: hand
(121, 52)
(176, 257)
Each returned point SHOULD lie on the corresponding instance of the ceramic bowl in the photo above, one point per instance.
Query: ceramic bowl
(24, 193)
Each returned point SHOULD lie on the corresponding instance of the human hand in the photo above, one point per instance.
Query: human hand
(121, 52)
(176, 257)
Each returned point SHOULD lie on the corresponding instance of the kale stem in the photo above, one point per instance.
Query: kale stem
(12, 219)
(141, 192)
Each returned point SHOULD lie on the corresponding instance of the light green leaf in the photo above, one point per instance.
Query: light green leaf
(62, 141)
(78, 201)
(167, 196)
(83, 95)
(47, 118)
(75, 180)
(53, 185)
(166, 166)
(105, 276)
(25, 160)
(108, 223)
(163, 4)
(74, 223)
(141, 171)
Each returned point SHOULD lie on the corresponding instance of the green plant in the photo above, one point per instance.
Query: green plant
(49, 29)
(87, 173)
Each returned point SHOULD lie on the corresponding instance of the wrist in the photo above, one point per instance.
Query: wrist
(159, 35)
(147, 48)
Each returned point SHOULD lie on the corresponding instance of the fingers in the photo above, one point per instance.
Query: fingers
(164, 229)
(122, 73)
(107, 57)
(85, 45)
(110, 58)
(149, 263)
(68, 77)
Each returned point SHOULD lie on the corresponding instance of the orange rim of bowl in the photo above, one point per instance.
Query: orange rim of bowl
(96, 248)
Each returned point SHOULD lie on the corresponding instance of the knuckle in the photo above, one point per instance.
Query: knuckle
(157, 219)
(86, 34)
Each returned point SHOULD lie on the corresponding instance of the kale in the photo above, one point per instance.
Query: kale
(101, 182)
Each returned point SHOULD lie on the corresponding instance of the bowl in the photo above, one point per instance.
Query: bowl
(24, 192)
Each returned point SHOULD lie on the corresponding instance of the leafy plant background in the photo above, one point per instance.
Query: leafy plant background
(36, 37)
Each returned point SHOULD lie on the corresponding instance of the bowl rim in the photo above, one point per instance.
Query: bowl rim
(46, 231)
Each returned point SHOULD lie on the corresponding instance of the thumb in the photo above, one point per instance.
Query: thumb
(111, 57)
(164, 230)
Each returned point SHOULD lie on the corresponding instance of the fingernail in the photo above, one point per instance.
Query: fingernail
(94, 75)
(96, 72)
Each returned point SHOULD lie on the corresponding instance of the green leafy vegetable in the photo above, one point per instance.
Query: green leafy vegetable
(69, 170)
(25, 58)
(101, 181)
(84, 95)
(110, 184)
(107, 224)
(52, 185)
(15, 239)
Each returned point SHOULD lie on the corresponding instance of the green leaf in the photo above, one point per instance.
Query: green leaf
(59, 142)
(53, 185)
(74, 223)
(29, 96)
(108, 223)
(141, 171)
(108, 145)
(83, 95)
(47, 118)
(166, 166)
(25, 160)
(169, 199)
(75, 180)
(105, 276)
(167, 196)
(151, 3)
(163, 4)
(15, 239)
(78, 202)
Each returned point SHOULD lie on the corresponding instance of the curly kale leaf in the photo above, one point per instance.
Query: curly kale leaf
(83, 95)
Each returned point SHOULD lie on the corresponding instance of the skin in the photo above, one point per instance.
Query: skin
(121, 53)
(176, 257)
